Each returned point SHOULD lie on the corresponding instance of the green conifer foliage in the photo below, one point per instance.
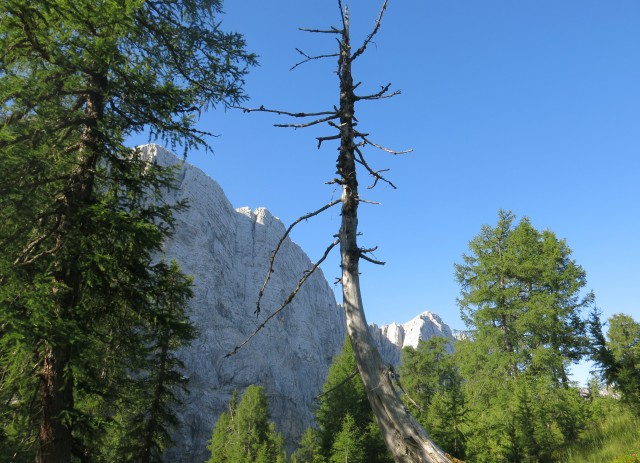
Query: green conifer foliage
(434, 393)
(522, 301)
(245, 434)
(344, 395)
(348, 445)
(80, 214)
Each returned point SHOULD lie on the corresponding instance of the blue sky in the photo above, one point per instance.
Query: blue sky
(530, 106)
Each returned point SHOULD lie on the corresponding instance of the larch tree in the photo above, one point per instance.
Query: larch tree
(81, 215)
(522, 299)
(407, 441)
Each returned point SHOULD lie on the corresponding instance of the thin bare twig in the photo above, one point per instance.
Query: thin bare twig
(308, 124)
(366, 141)
(375, 174)
(333, 30)
(380, 95)
(370, 36)
(277, 249)
(310, 58)
(287, 301)
(282, 113)
(338, 386)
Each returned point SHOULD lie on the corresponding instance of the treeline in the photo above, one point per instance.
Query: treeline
(504, 395)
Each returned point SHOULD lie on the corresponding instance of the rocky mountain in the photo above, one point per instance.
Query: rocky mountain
(227, 252)
(392, 338)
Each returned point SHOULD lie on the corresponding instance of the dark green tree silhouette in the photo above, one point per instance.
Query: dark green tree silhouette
(81, 215)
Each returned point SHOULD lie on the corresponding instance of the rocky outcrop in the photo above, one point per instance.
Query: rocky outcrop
(392, 338)
(227, 252)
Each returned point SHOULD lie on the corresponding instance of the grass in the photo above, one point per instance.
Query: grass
(613, 439)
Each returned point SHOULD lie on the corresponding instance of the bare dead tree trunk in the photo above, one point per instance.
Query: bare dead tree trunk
(405, 438)
(407, 441)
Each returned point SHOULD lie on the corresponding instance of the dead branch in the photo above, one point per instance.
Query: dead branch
(375, 174)
(363, 252)
(331, 137)
(288, 300)
(380, 95)
(277, 249)
(308, 124)
(310, 58)
(337, 386)
(366, 141)
(370, 36)
(283, 113)
(333, 30)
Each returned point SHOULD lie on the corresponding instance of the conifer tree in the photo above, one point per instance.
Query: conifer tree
(347, 445)
(434, 395)
(618, 357)
(245, 434)
(81, 215)
(521, 299)
(344, 396)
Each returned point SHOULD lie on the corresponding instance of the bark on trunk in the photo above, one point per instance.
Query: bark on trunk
(56, 397)
(404, 437)
(55, 434)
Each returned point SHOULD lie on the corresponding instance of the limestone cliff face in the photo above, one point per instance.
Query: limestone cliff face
(392, 338)
(227, 252)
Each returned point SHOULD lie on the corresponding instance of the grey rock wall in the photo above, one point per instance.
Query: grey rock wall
(227, 252)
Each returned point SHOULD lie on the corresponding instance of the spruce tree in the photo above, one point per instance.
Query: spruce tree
(246, 434)
(81, 216)
(433, 386)
(344, 396)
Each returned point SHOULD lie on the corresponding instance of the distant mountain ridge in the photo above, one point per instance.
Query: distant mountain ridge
(394, 337)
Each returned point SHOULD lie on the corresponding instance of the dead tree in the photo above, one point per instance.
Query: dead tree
(404, 437)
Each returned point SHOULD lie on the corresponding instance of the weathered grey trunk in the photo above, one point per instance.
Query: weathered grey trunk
(404, 437)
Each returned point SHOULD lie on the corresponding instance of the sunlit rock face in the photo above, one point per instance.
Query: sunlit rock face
(392, 338)
(227, 252)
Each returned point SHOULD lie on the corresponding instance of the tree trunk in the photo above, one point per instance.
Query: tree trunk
(56, 382)
(56, 397)
(404, 437)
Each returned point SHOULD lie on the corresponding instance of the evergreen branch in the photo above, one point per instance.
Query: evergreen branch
(277, 249)
(288, 300)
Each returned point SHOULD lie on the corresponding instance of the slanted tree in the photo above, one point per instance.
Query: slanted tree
(80, 214)
(405, 438)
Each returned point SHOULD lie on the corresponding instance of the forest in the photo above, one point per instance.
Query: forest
(91, 321)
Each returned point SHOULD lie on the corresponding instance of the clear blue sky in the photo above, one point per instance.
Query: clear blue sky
(531, 106)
